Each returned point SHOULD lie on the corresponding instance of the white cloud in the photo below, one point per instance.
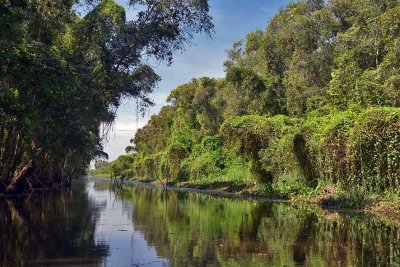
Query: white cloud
(119, 136)
(127, 123)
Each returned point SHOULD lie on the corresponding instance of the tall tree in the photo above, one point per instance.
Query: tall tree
(62, 76)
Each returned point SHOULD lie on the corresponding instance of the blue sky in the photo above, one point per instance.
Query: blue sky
(233, 19)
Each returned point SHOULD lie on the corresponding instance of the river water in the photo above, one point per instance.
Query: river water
(93, 224)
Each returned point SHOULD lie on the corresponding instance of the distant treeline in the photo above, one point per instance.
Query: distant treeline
(64, 67)
(311, 100)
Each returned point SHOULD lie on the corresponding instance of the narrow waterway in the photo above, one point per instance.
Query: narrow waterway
(93, 224)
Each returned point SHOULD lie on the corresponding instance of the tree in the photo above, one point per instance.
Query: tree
(98, 164)
(62, 76)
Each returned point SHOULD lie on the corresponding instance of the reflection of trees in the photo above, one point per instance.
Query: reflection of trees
(193, 230)
(52, 226)
(356, 240)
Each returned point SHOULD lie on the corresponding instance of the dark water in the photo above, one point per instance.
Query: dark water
(91, 225)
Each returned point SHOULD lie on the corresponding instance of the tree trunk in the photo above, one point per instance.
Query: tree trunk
(17, 183)
(17, 156)
(9, 153)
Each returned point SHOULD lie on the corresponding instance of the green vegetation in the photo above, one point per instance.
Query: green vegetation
(196, 229)
(65, 65)
(309, 103)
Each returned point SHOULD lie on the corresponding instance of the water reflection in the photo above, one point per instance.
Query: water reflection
(127, 246)
(199, 230)
(92, 225)
(51, 228)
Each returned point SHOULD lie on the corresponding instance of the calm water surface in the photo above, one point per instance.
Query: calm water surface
(93, 225)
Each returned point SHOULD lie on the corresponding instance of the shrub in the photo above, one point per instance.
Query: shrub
(206, 159)
(355, 149)
(325, 155)
(280, 158)
(252, 134)
(374, 148)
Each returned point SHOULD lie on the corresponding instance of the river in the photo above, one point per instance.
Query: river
(93, 224)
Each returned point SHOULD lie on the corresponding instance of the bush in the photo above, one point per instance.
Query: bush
(207, 159)
(253, 134)
(374, 148)
(355, 149)
(280, 159)
(324, 155)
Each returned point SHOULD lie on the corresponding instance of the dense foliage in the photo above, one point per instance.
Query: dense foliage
(64, 67)
(311, 100)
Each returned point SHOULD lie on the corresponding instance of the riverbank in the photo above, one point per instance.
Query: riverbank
(327, 198)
